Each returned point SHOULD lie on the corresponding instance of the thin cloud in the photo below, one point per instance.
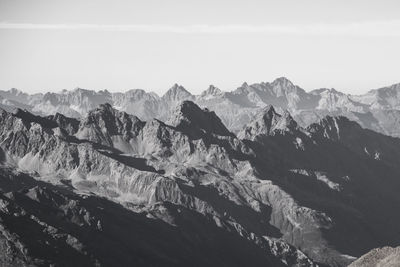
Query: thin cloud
(373, 28)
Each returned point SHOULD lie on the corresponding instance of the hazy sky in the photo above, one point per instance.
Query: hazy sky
(49, 45)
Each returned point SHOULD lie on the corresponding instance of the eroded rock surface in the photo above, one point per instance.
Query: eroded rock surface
(113, 190)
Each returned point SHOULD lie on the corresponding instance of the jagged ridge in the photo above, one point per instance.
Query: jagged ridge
(287, 197)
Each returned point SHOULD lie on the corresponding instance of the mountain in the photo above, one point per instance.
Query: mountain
(211, 92)
(385, 257)
(268, 122)
(343, 171)
(71, 103)
(110, 189)
(138, 102)
(332, 100)
(18, 96)
(45, 225)
(382, 98)
(378, 110)
(169, 177)
(280, 93)
(109, 127)
(195, 122)
(176, 93)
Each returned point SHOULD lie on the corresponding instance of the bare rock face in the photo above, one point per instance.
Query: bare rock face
(112, 190)
(211, 92)
(144, 105)
(104, 124)
(189, 118)
(70, 125)
(93, 165)
(382, 257)
(268, 122)
(176, 93)
(44, 225)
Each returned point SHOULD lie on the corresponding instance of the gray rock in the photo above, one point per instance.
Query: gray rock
(281, 194)
(379, 257)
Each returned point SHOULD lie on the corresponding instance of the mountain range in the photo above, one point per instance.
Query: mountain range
(105, 187)
(377, 110)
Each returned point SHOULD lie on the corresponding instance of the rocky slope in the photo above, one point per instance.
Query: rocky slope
(167, 179)
(189, 191)
(378, 110)
(382, 257)
(47, 225)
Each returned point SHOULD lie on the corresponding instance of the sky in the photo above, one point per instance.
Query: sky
(50, 45)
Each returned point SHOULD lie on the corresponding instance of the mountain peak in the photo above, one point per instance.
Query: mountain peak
(194, 121)
(283, 87)
(105, 112)
(268, 122)
(211, 91)
(388, 91)
(177, 93)
(16, 91)
(282, 81)
(245, 88)
(104, 122)
(177, 87)
(331, 127)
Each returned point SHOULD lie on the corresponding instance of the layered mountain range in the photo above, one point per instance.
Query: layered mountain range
(107, 188)
(378, 109)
